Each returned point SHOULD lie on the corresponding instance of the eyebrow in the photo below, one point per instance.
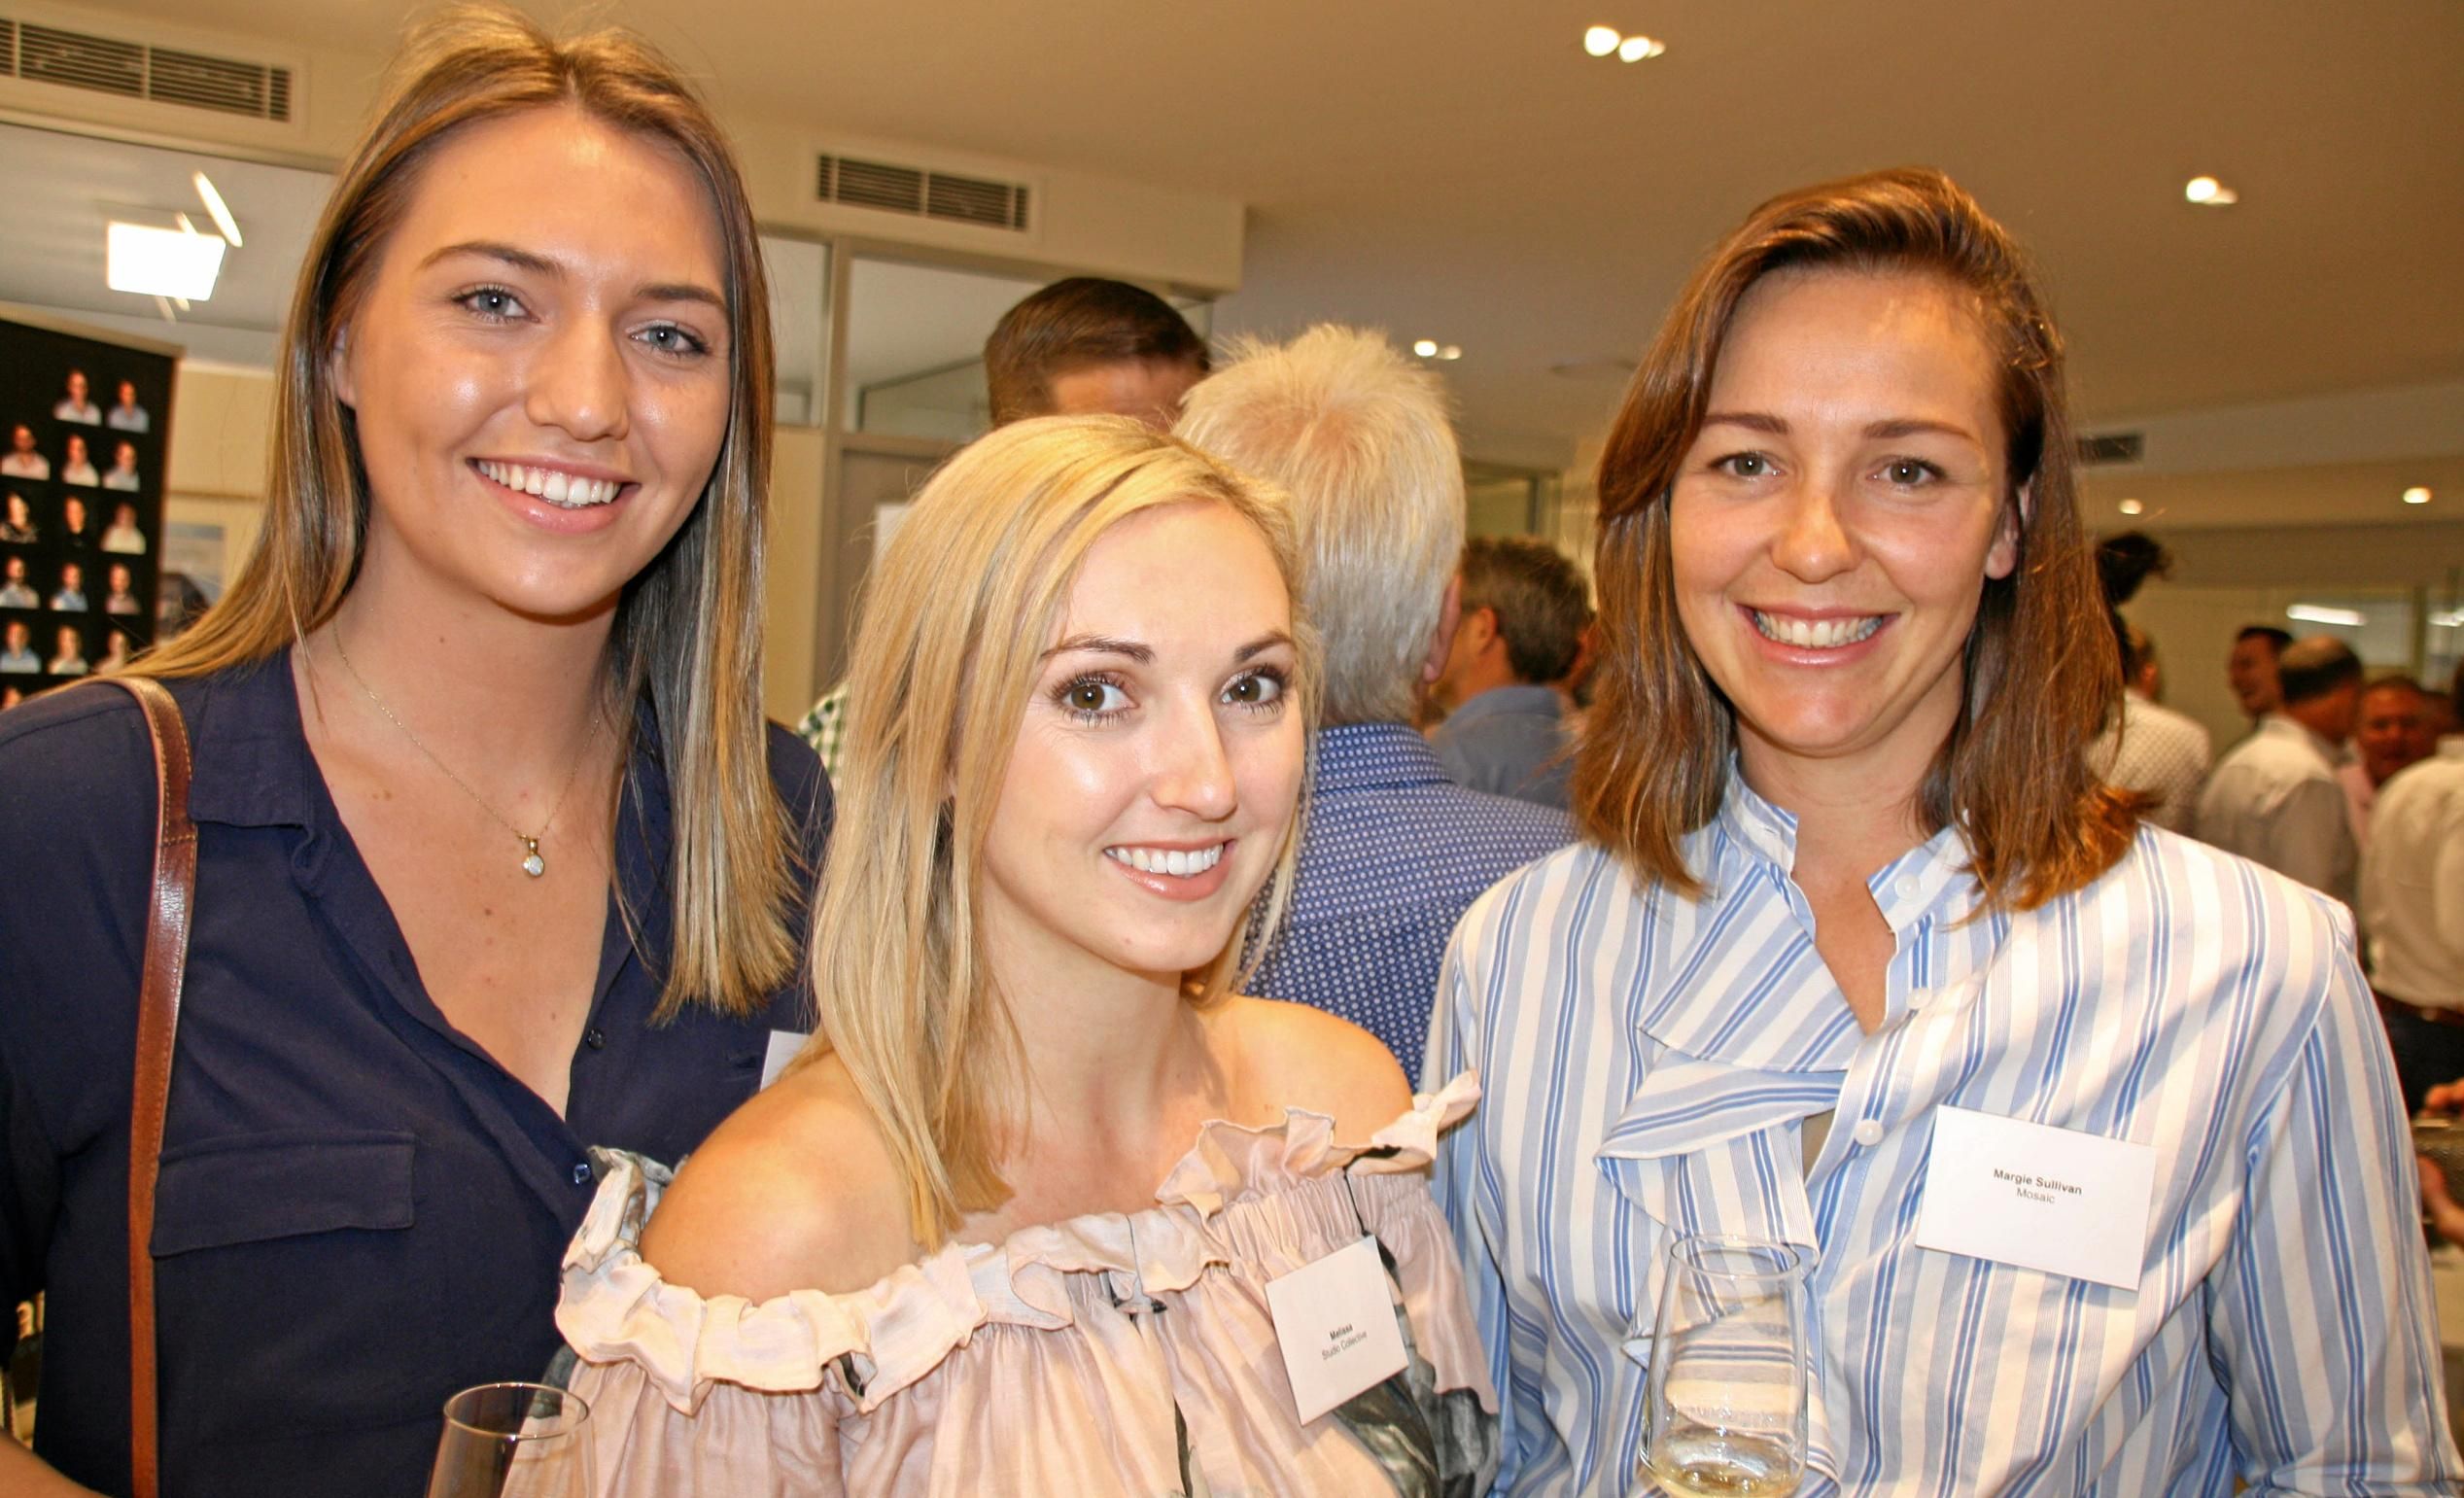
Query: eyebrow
(1898, 427)
(1144, 654)
(540, 265)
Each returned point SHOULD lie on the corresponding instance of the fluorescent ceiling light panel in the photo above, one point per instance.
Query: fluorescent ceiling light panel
(161, 262)
(221, 209)
(2317, 613)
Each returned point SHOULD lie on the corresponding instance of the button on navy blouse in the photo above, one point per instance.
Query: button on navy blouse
(358, 1210)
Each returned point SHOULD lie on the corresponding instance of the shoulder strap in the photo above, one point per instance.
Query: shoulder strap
(166, 961)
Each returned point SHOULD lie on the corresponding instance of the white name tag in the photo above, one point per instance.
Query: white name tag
(1337, 1323)
(783, 1046)
(2048, 1198)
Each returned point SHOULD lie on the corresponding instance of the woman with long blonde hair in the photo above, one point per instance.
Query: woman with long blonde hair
(497, 858)
(1009, 1227)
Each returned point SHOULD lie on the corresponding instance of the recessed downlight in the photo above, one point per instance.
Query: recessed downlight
(2208, 193)
(2133, 508)
(1606, 41)
(2416, 495)
(1426, 348)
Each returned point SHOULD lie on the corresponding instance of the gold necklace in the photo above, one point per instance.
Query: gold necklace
(533, 864)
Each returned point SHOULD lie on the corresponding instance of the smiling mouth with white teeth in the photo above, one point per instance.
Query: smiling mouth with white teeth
(1816, 634)
(565, 491)
(1177, 863)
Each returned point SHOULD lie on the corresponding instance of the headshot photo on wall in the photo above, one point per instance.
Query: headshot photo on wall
(126, 415)
(17, 649)
(68, 659)
(14, 591)
(78, 405)
(23, 460)
(16, 521)
(77, 524)
(76, 463)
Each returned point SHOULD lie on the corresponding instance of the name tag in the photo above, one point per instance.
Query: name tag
(783, 1046)
(1337, 1323)
(2047, 1199)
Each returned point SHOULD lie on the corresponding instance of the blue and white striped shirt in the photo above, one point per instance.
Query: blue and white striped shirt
(1648, 1063)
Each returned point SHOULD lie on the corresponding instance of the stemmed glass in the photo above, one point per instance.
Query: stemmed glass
(1728, 1380)
(513, 1439)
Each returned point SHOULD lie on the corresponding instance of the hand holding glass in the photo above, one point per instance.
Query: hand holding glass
(1728, 1371)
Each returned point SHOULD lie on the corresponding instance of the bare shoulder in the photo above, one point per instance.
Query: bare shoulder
(1294, 1056)
(796, 1191)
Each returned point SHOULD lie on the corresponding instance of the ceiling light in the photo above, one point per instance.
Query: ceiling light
(2133, 508)
(221, 209)
(2453, 618)
(1451, 351)
(1635, 48)
(1426, 348)
(160, 261)
(1600, 41)
(2320, 613)
(2416, 495)
(2208, 193)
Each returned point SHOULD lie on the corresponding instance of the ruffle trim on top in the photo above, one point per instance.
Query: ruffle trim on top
(614, 1307)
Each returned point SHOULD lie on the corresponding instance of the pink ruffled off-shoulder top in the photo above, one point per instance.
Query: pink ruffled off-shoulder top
(1110, 1353)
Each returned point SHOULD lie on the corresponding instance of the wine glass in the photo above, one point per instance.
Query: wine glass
(1728, 1380)
(513, 1439)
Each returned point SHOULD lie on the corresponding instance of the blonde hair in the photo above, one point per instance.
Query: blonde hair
(1359, 437)
(687, 629)
(956, 622)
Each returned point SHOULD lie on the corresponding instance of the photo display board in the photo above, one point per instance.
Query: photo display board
(82, 432)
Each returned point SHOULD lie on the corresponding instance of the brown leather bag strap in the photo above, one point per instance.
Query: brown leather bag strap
(157, 1030)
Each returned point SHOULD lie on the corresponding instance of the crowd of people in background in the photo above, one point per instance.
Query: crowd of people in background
(1216, 872)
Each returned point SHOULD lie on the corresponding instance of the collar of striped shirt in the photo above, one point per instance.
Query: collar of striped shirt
(1649, 1061)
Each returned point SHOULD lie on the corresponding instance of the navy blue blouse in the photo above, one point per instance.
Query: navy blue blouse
(359, 1211)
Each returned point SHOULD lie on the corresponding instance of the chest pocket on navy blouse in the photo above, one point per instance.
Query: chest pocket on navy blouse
(258, 1187)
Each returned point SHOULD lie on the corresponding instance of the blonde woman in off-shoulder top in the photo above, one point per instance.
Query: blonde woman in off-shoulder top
(1011, 1227)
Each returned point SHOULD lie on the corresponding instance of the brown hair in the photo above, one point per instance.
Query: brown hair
(2041, 673)
(687, 629)
(1074, 322)
(1540, 599)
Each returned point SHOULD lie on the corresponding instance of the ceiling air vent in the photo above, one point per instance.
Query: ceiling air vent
(134, 69)
(922, 193)
(2112, 448)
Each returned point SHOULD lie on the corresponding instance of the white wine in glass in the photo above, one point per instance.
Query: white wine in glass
(513, 1440)
(1727, 1379)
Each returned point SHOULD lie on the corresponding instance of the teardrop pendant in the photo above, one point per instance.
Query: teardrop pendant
(533, 865)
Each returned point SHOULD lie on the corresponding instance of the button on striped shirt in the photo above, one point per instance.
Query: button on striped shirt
(1649, 1062)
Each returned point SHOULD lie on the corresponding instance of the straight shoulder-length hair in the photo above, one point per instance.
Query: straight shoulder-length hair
(687, 628)
(956, 623)
(2039, 669)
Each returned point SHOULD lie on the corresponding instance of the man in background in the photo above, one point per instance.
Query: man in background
(2395, 729)
(2413, 906)
(1392, 852)
(1524, 610)
(2252, 668)
(1080, 347)
(2151, 749)
(2274, 797)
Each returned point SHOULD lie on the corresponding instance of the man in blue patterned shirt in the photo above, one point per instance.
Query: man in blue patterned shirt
(1393, 851)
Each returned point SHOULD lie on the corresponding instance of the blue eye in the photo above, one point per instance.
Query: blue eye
(674, 339)
(495, 303)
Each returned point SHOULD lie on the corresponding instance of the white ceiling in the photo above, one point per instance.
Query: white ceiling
(1460, 170)
(63, 188)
